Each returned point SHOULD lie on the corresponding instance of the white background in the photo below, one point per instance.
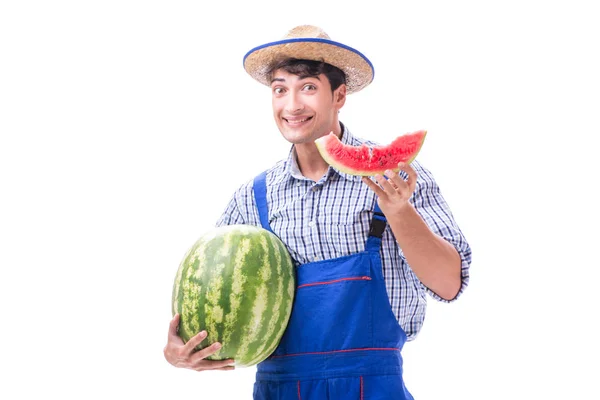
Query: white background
(126, 126)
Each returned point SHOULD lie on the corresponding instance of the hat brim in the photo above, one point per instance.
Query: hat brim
(358, 69)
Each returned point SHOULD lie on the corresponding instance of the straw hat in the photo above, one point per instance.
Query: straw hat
(311, 43)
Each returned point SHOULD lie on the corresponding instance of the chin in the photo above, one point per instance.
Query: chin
(297, 140)
(297, 137)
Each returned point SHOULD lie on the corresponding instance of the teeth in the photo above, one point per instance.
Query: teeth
(298, 121)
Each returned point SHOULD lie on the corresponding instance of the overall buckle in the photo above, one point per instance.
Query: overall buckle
(378, 225)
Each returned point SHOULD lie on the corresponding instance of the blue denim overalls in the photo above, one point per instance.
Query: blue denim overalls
(342, 341)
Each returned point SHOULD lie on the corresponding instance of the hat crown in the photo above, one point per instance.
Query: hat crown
(308, 42)
(306, 31)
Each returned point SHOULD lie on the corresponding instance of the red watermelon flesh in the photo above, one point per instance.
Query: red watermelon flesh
(367, 161)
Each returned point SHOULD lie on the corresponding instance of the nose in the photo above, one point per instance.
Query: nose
(294, 104)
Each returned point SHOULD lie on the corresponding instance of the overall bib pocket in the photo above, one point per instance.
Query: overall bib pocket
(348, 325)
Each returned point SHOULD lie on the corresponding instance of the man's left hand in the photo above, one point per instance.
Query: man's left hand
(393, 193)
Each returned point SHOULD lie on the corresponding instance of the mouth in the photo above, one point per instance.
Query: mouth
(297, 121)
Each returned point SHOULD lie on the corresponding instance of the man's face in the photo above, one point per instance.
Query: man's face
(304, 107)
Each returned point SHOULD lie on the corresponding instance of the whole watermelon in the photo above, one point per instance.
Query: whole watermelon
(236, 282)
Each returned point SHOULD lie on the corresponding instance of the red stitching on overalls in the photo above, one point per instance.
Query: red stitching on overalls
(299, 397)
(361, 388)
(339, 351)
(358, 278)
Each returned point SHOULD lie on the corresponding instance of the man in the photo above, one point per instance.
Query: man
(367, 251)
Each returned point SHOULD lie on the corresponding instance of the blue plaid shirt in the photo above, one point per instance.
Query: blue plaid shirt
(331, 218)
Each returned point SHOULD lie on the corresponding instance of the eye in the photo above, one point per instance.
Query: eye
(278, 90)
(309, 86)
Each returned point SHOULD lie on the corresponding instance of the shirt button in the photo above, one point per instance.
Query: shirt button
(315, 188)
(311, 224)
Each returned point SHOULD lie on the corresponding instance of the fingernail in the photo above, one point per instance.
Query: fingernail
(217, 346)
(388, 172)
(203, 333)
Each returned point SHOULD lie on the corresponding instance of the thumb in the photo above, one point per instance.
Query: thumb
(173, 325)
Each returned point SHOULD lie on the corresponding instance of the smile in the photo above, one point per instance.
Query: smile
(297, 121)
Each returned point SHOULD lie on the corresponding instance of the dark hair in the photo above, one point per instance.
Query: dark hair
(306, 68)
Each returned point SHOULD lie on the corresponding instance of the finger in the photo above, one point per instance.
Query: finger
(373, 186)
(205, 352)
(211, 364)
(173, 326)
(396, 181)
(412, 175)
(387, 186)
(390, 175)
(195, 341)
(210, 367)
(227, 368)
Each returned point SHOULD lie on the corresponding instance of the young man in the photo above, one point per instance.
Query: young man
(367, 251)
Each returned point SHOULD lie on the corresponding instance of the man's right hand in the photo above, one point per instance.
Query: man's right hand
(182, 355)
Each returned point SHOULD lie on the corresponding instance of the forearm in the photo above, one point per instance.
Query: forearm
(434, 260)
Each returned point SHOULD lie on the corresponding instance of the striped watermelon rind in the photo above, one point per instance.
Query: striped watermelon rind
(237, 282)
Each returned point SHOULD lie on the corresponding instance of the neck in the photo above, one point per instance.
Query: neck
(309, 159)
(310, 162)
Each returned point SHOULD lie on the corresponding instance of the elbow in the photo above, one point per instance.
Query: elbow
(449, 287)
(450, 290)
(453, 282)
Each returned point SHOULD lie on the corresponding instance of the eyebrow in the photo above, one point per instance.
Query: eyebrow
(301, 77)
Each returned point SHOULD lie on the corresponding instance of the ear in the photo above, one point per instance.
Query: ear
(339, 96)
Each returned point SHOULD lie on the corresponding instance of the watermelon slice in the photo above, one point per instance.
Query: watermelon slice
(368, 161)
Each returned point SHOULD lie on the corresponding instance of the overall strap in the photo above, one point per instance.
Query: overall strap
(260, 196)
(378, 225)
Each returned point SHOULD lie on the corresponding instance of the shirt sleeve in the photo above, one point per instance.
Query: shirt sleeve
(232, 214)
(241, 208)
(431, 206)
